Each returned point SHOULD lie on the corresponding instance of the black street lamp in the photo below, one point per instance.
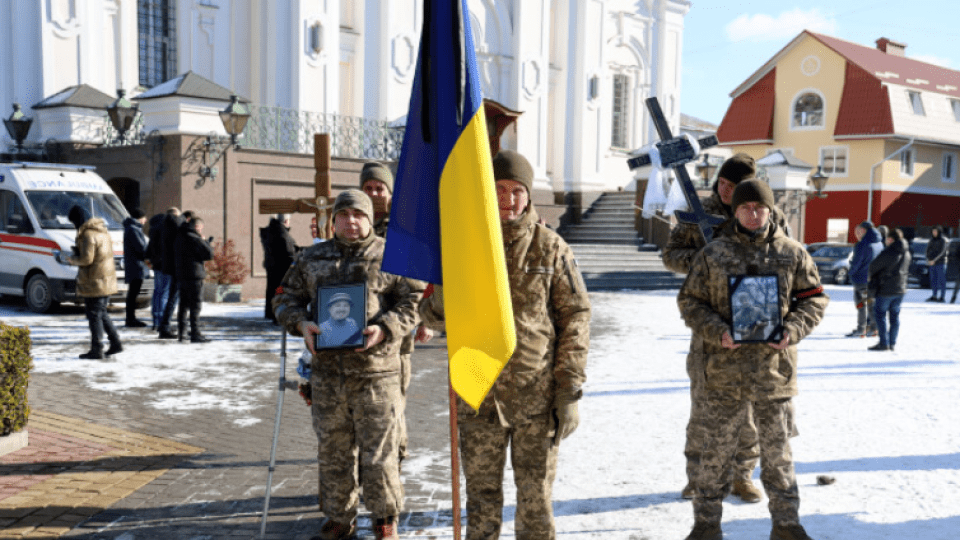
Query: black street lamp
(122, 113)
(706, 170)
(234, 118)
(819, 182)
(18, 126)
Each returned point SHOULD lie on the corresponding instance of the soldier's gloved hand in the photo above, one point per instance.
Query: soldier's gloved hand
(310, 331)
(567, 416)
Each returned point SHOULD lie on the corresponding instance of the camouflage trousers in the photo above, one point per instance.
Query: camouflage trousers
(404, 384)
(356, 421)
(776, 461)
(483, 451)
(748, 447)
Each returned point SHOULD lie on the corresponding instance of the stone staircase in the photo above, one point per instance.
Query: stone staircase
(609, 252)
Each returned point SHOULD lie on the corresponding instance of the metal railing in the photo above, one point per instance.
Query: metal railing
(291, 130)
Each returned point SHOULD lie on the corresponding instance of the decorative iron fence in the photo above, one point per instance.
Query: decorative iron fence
(291, 130)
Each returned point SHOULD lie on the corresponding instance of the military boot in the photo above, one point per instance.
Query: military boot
(334, 530)
(747, 492)
(789, 532)
(706, 531)
(386, 529)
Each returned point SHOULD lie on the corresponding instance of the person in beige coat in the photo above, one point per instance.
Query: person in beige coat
(96, 279)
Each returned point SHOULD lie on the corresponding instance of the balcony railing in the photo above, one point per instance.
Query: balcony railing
(290, 130)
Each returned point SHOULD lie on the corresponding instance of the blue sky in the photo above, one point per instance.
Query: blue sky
(725, 42)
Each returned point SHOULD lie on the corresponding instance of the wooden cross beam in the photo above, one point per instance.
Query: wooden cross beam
(320, 205)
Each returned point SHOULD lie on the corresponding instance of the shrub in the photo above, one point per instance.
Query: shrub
(227, 266)
(15, 364)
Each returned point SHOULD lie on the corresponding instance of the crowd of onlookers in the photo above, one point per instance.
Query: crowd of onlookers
(879, 271)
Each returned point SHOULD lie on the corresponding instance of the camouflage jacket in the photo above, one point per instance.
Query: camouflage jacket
(391, 302)
(551, 312)
(380, 229)
(97, 276)
(753, 371)
(685, 239)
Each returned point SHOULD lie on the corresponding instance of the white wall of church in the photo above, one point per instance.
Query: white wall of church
(557, 61)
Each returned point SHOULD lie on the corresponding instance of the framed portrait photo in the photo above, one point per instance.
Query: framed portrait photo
(341, 315)
(755, 309)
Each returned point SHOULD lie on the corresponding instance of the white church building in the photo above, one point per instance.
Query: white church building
(578, 70)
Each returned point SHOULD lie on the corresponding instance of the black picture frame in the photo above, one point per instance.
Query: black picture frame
(755, 308)
(345, 333)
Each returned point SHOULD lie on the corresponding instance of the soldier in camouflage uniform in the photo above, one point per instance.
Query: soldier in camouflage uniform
(758, 375)
(684, 243)
(356, 393)
(533, 403)
(376, 181)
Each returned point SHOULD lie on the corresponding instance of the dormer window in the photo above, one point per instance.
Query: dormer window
(916, 103)
(808, 111)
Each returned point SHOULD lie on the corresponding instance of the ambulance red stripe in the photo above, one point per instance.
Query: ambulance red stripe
(29, 240)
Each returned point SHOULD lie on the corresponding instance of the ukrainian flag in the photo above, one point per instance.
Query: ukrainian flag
(444, 222)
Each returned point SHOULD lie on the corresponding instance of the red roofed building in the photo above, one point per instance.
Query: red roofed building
(884, 128)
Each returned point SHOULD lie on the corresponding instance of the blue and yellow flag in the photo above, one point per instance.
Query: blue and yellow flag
(444, 222)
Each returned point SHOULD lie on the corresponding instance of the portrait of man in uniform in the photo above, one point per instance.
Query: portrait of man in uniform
(754, 305)
(338, 318)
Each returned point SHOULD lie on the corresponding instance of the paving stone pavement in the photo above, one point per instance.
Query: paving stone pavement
(211, 476)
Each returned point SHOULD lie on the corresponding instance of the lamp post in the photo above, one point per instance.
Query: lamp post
(18, 126)
(706, 170)
(819, 182)
(122, 114)
(234, 118)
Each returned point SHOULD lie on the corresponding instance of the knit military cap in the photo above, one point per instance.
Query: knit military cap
(738, 168)
(752, 190)
(339, 297)
(510, 165)
(376, 171)
(356, 199)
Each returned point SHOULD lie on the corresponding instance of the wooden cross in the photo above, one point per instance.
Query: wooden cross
(322, 203)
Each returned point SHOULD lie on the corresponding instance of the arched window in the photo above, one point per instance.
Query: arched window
(808, 110)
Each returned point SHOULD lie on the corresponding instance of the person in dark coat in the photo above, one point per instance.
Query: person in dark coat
(161, 280)
(135, 269)
(937, 250)
(888, 282)
(868, 246)
(171, 227)
(191, 251)
(279, 249)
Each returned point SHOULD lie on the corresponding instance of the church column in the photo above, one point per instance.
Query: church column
(585, 85)
(529, 82)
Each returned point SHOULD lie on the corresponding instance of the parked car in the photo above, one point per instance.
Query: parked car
(919, 271)
(833, 262)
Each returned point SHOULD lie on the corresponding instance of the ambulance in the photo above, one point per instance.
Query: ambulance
(36, 237)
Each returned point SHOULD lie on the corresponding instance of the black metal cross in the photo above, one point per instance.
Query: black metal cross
(676, 152)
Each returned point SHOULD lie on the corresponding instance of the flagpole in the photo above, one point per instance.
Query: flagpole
(454, 460)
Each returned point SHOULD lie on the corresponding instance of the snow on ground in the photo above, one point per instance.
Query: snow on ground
(886, 425)
(180, 377)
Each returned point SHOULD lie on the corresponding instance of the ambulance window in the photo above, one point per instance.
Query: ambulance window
(13, 216)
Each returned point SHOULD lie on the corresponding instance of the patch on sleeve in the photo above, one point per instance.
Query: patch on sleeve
(279, 290)
(807, 293)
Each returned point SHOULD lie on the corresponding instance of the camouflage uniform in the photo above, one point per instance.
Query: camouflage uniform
(552, 317)
(356, 395)
(684, 243)
(754, 374)
(406, 351)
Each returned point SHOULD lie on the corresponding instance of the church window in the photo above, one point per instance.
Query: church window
(156, 29)
(621, 112)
